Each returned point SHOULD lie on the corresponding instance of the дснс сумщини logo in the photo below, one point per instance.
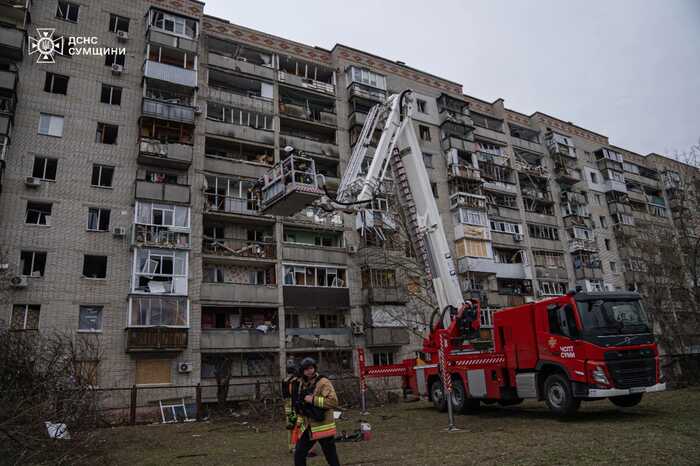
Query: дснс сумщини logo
(45, 45)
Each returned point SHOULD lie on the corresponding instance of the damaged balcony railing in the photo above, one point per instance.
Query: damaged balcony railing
(230, 204)
(235, 247)
(161, 236)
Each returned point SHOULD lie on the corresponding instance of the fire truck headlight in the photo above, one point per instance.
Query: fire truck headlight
(599, 377)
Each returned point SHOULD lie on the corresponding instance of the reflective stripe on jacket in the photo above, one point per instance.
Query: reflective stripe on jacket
(324, 397)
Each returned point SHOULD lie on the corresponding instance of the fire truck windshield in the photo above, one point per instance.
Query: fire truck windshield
(613, 317)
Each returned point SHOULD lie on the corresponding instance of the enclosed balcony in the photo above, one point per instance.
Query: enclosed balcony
(165, 71)
(240, 57)
(168, 111)
(160, 236)
(158, 37)
(160, 191)
(452, 129)
(239, 250)
(11, 42)
(8, 82)
(559, 144)
(576, 245)
(362, 91)
(307, 106)
(156, 339)
(488, 266)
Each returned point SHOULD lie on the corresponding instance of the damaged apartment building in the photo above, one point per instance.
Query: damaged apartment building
(126, 212)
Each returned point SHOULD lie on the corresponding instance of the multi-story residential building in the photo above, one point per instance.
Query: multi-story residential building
(127, 212)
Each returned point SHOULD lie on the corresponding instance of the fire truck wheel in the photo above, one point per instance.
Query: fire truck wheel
(436, 394)
(460, 402)
(626, 401)
(559, 397)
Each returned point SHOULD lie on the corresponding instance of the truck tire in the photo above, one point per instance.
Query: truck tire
(461, 403)
(559, 396)
(626, 401)
(438, 396)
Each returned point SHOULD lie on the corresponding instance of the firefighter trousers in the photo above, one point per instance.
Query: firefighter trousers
(305, 444)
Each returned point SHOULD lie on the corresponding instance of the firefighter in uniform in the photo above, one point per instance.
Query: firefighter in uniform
(315, 403)
(290, 389)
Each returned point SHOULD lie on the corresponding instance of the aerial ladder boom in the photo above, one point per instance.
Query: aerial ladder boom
(293, 184)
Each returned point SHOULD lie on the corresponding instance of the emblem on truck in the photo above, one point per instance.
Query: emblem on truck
(552, 342)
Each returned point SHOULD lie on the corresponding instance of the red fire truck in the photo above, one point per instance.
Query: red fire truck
(563, 350)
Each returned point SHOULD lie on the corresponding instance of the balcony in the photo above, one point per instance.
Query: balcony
(154, 152)
(557, 148)
(241, 249)
(233, 99)
(357, 119)
(366, 92)
(219, 203)
(450, 129)
(614, 185)
(306, 83)
(316, 297)
(453, 142)
(463, 171)
(552, 273)
(490, 134)
(504, 212)
(501, 187)
(637, 196)
(624, 232)
(159, 236)
(169, 40)
(619, 208)
(513, 271)
(312, 253)
(8, 82)
(656, 200)
(573, 197)
(567, 175)
(387, 336)
(169, 73)
(381, 295)
(507, 239)
(162, 192)
(222, 339)
(588, 271)
(239, 293)
(144, 339)
(525, 144)
(241, 66)
(536, 194)
(11, 43)
(307, 113)
(244, 133)
(470, 201)
(308, 145)
(309, 217)
(168, 111)
(298, 338)
(582, 245)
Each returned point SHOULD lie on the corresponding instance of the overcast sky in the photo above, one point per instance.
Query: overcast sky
(627, 69)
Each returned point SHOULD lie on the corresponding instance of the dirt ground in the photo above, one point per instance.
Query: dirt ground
(663, 429)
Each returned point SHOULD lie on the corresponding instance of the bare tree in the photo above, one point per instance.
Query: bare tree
(46, 378)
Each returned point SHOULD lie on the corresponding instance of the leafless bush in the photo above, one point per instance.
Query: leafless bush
(46, 378)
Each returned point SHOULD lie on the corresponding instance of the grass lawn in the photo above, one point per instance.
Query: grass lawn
(663, 429)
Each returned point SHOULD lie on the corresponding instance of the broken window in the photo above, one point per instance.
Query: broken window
(167, 132)
(45, 168)
(118, 23)
(507, 256)
(543, 232)
(106, 134)
(25, 317)
(32, 263)
(94, 266)
(239, 116)
(333, 277)
(67, 11)
(148, 213)
(424, 132)
(98, 219)
(549, 259)
(173, 57)
(487, 122)
(379, 278)
(38, 213)
(160, 271)
(56, 83)
(102, 176)
(175, 24)
(111, 95)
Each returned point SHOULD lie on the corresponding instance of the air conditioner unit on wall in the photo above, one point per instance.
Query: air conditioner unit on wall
(184, 367)
(19, 281)
(119, 231)
(122, 36)
(117, 69)
(518, 237)
(32, 182)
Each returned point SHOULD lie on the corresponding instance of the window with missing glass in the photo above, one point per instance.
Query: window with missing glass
(56, 83)
(90, 319)
(106, 133)
(94, 266)
(38, 213)
(32, 263)
(68, 11)
(102, 176)
(424, 132)
(111, 95)
(118, 23)
(44, 168)
(98, 219)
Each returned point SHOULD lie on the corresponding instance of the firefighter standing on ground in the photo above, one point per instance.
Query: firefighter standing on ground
(315, 404)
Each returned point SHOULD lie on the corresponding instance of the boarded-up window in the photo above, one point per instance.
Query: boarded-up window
(471, 248)
(152, 371)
